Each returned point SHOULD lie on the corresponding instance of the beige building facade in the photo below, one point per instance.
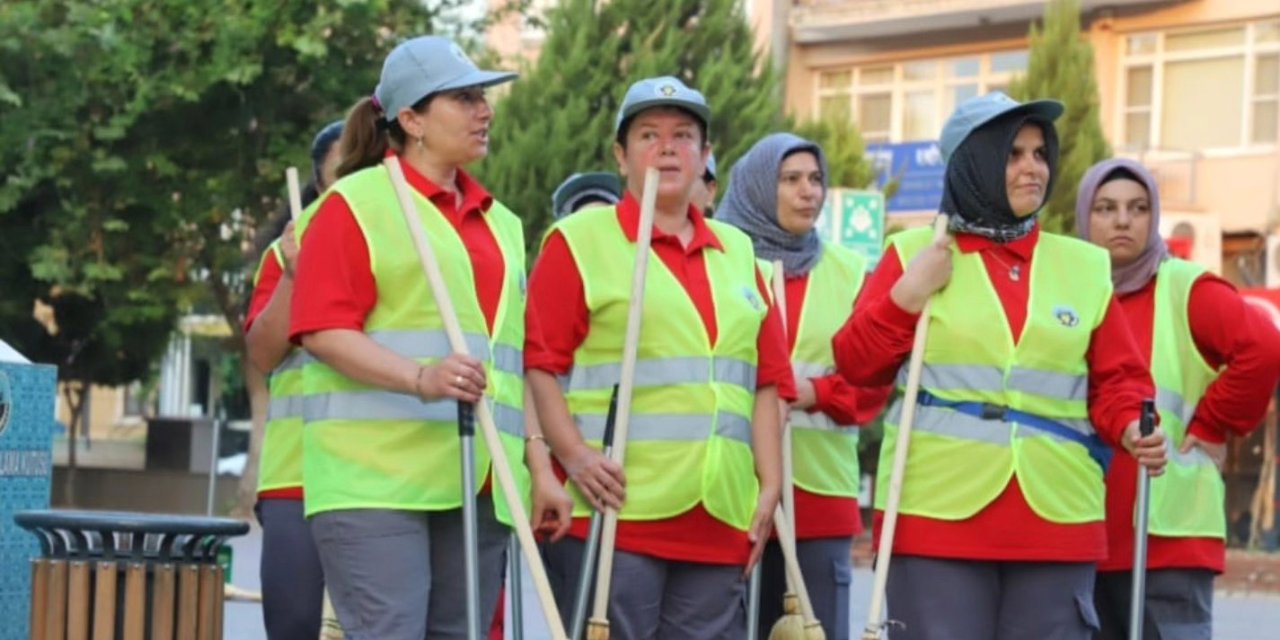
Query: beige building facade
(1189, 87)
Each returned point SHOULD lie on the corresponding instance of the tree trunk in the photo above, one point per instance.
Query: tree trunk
(74, 392)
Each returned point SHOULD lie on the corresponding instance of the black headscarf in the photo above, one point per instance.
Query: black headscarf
(974, 194)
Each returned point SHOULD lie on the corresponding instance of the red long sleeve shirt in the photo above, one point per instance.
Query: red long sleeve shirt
(875, 342)
(819, 516)
(1227, 334)
(557, 309)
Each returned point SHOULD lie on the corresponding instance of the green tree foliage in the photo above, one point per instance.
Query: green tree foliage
(559, 116)
(147, 140)
(845, 151)
(1062, 67)
(143, 145)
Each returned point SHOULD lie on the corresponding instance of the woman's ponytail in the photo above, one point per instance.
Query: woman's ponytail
(364, 138)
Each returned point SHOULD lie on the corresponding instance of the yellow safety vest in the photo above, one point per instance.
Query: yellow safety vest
(370, 448)
(1189, 499)
(690, 424)
(958, 462)
(280, 461)
(824, 454)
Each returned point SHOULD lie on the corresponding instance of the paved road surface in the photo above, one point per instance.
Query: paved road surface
(1237, 617)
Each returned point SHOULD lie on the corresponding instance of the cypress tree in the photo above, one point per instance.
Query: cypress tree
(1061, 67)
(558, 117)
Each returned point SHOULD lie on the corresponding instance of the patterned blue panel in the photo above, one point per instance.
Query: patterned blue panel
(26, 467)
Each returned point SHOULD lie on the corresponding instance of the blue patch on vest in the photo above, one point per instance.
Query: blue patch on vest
(1066, 316)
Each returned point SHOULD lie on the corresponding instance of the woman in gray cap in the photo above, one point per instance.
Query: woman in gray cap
(775, 196)
(701, 478)
(1030, 375)
(381, 452)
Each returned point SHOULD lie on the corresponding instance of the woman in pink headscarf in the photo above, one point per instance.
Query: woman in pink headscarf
(1215, 365)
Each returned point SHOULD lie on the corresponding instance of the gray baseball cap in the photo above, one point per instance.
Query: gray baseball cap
(979, 110)
(606, 187)
(663, 91)
(425, 65)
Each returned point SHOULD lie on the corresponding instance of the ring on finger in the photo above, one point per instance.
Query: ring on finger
(457, 380)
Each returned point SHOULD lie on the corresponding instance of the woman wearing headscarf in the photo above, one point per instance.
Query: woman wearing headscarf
(381, 450)
(775, 196)
(292, 581)
(1030, 375)
(1215, 364)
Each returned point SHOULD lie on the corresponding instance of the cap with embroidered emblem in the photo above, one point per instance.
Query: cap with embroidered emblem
(663, 91)
(425, 65)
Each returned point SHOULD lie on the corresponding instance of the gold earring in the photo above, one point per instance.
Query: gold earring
(421, 143)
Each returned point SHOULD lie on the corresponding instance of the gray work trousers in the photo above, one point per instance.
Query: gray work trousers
(827, 566)
(399, 575)
(941, 599)
(292, 580)
(655, 599)
(1179, 604)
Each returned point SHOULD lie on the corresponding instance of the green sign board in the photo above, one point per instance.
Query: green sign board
(855, 219)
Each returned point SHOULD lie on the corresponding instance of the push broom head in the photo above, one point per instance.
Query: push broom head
(791, 625)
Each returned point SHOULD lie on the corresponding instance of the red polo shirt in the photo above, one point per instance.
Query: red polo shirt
(557, 308)
(819, 516)
(877, 340)
(334, 286)
(1227, 333)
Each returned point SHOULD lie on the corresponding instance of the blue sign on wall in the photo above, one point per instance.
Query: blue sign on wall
(919, 169)
(26, 466)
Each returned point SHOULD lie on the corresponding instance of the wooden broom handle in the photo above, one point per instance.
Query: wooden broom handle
(635, 310)
(785, 515)
(501, 465)
(885, 552)
(295, 193)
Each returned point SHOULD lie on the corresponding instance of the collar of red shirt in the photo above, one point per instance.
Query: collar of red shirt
(475, 198)
(703, 236)
(1022, 247)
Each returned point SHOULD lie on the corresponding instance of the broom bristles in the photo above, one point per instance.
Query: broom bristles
(791, 625)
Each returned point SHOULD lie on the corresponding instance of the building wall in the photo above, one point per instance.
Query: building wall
(1234, 183)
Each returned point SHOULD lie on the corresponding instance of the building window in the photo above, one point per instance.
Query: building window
(1213, 88)
(910, 100)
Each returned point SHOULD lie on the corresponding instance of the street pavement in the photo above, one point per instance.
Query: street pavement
(1236, 616)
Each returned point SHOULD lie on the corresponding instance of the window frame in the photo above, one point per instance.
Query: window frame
(1156, 60)
(941, 84)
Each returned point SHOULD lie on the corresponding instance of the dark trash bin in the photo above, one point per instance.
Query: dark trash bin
(105, 575)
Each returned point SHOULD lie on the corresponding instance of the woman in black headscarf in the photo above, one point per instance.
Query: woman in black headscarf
(1029, 374)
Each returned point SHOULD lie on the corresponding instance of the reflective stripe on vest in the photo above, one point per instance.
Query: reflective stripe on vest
(387, 405)
(664, 371)
(670, 427)
(965, 377)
